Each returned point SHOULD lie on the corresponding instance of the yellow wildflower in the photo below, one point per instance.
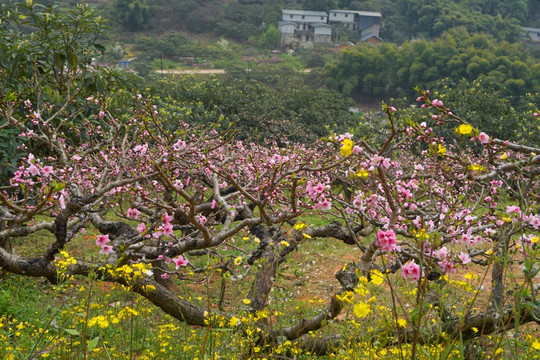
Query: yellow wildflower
(299, 226)
(362, 309)
(476, 167)
(377, 277)
(346, 147)
(234, 321)
(464, 129)
(441, 150)
(361, 173)
(347, 297)
(471, 276)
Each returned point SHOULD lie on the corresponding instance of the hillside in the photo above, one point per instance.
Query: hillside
(238, 20)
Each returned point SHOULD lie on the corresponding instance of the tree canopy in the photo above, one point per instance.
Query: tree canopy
(457, 54)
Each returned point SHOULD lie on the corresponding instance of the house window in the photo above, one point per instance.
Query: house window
(346, 15)
(303, 17)
(335, 14)
(291, 16)
(322, 17)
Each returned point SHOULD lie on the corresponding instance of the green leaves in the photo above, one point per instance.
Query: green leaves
(72, 332)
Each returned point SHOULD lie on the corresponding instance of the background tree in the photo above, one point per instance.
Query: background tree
(320, 5)
(269, 39)
(456, 54)
(133, 15)
(46, 57)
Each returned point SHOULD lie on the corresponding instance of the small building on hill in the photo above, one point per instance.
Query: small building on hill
(322, 33)
(304, 26)
(371, 38)
(304, 17)
(317, 26)
(364, 22)
(530, 33)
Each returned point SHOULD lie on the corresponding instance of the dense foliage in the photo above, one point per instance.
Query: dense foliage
(288, 112)
(401, 20)
(46, 57)
(457, 54)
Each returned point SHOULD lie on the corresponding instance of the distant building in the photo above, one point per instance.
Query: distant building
(316, 26)
(304, 17)
(364, 22)
(286, 32)
(304, 26)
(126, 63)
(371, 38)
(322, 33)
(532, 34)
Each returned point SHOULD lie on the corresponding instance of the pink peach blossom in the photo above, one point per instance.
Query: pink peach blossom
(180, 261)
(483, 137)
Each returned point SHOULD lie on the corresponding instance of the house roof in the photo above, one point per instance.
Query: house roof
(303, 12)
(283, 23)
(361, 13)
(530, 29)
(318, 25)
(369, 36)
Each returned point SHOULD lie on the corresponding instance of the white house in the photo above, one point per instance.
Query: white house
(531, 33)
(322, 33)
(364, 22)
(301, 16)
(316, 26)
(286, 31)
(304, 26)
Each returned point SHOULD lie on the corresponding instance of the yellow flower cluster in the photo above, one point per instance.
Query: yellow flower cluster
(131, 273)
(464, 129)
(62, 264)
(361, 173)
(346, 147)
(100, 320)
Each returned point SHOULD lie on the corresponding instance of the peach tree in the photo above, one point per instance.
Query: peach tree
(166, 203)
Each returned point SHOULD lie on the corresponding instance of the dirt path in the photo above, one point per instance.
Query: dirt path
(201, 71)
(191, 71)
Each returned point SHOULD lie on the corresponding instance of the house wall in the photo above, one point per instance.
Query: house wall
(341, 17)
(322, 38)
(323, 30)
(365, 22)
(304, 18)
(534, 36)
(286, 33)
(374, 29)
